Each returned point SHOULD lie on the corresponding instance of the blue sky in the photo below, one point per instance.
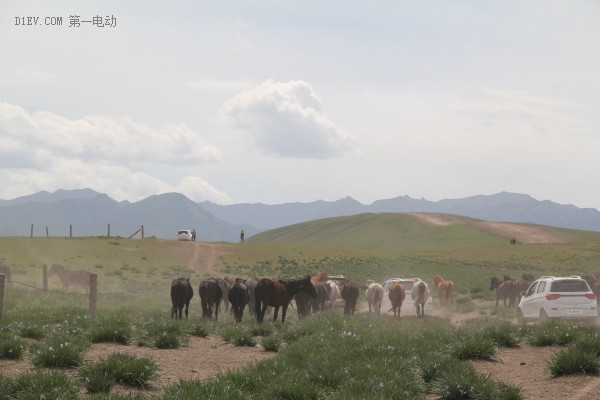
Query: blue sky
(277, 101)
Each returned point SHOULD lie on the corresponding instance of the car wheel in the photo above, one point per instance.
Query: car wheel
(520, 317)
(543, 315)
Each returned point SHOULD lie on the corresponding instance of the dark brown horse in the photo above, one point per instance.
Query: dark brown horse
(210, 294)
(181, 294)
(350, 295)
(238, 297)
(278, 293)
(304, 303)
(68, 277)
(505, 290)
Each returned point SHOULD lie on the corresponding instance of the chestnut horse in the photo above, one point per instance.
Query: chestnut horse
(445, 290)
(396, 294)
(278, 293)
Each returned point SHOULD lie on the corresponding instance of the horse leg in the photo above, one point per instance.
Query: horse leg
(187, 306)
(283, 312)
(275, 313)
(217, 310)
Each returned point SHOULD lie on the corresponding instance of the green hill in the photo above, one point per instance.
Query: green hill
(401, 231)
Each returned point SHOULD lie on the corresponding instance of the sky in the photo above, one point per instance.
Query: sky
(296, 101)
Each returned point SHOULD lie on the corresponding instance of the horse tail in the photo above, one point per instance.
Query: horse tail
(422, 287)
(258, 295)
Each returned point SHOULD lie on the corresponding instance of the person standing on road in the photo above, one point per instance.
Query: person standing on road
(242, 236)
(193, 235)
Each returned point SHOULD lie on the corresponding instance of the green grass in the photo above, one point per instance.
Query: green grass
(324, 356)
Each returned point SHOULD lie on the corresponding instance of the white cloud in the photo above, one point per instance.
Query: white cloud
(44, 151)
(42, 136)
(286, 119)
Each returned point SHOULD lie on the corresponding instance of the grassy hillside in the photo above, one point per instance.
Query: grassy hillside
(399, 231)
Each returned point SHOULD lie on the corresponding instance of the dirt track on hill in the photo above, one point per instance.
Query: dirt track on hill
(523, 233)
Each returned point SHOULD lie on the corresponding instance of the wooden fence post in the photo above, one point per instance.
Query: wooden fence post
(45, 277)
(108, 230)
(46, 231)
(142, 231)
(70, 230)
(31, 233)
(93, 293)
(2, 277)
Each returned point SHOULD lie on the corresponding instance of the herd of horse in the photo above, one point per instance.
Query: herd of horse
(311, 294)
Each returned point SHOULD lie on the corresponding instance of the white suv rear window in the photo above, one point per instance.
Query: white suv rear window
(569, 286)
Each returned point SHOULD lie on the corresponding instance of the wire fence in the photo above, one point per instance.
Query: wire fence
(92, 294)
(43, 230)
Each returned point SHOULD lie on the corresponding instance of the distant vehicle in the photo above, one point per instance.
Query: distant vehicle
(552, 297)
(184, 234)
(408, 305)
(340, 281)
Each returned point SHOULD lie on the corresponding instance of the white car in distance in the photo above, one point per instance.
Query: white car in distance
(184, 234)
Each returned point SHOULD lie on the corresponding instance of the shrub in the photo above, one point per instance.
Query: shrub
(57, 351)
(550, 333)
(201, 328)
(163, 335)
(42, 384)
(271, 343)
(7, 387)
(474, 347)
(11, 347)
(466, 383)
(100, 376)
(573, 360)
(238, 335)
(432, 367)
(132, 370)
(112, 329)
(32, 331)
(262, 329)
(96, 377)
(589, 344)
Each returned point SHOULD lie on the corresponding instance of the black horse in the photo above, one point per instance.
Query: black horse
(238, 297)
(279, 293)
(210, 294)
(181, 294)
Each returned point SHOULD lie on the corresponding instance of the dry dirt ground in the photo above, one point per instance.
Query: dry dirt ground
(206, 357)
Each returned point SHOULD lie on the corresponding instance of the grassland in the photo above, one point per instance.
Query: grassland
(134, 277)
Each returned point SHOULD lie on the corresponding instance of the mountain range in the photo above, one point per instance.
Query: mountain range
(85, 212)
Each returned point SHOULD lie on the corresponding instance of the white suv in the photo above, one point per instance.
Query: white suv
(408, 305)
(184, 234)
(558, 297)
